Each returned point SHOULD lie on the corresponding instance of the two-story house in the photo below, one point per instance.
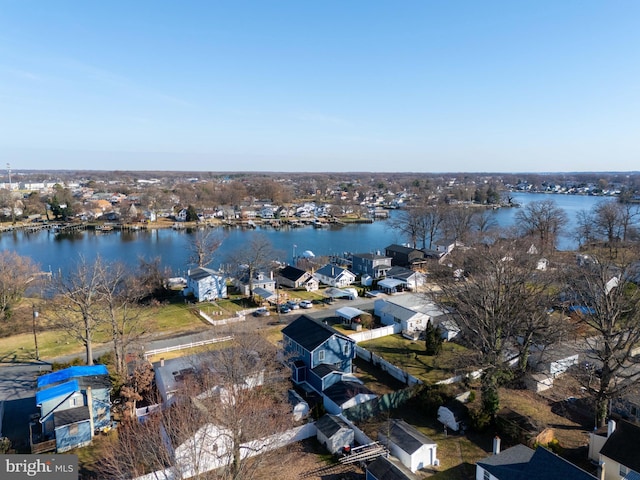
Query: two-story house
(261, 280)
(370, 264)
(205, 284)
(402, 256)
(74, 403)
(321, 358)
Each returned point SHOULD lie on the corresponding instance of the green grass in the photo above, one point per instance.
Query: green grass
(411, 357)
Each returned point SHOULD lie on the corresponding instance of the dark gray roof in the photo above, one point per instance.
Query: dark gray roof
(400, 272)
(542, 465)
(405, 436)
(370, 256)
(307, 332)
(95, 382)
(340, 392)
(324, 369)
(400, 248)
(71, 415)
(329, 425)
(383, 469)
(199, 273)
(623, 445)
(292, 273)
(331, 271)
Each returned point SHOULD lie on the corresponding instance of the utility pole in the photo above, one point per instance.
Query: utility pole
(35, 331)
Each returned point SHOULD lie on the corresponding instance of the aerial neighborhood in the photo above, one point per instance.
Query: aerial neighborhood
(462, 350)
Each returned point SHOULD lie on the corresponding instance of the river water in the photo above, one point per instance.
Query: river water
(56, 252)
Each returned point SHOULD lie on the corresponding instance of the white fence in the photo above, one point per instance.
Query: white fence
(185, 346)
(365, 335)
(391, 369)
(224, 321)
(249, 449)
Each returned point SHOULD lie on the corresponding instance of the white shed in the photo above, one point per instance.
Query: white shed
(414, 449)
(334, 433)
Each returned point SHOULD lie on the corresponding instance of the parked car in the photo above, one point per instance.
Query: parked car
(293, 305)
(284, 308)
(306, 304)
(261, 312)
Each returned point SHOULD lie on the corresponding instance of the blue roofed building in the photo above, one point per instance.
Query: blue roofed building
(74, 403)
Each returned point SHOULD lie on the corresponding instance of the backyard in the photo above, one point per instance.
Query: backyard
(410, 356)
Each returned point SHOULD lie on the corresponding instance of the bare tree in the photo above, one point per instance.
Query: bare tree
(121, 292)
(255, 256)
(500, 298)
(77, 304)
(16, 274)
(204, 244)
(544, 220)
(222, 418)
(607, 296)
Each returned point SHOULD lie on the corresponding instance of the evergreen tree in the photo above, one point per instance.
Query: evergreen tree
(433, 339)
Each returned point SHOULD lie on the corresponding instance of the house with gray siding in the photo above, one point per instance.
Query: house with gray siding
(370, 264)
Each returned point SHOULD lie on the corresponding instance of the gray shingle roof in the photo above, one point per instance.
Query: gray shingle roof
(329, 425)
(307, 332)
(405, 436)
(623, 445)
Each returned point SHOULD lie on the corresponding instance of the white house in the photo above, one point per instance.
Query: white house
(414, 449)
(617, 452)
(205, 284)
(335, 276)
(406, 319)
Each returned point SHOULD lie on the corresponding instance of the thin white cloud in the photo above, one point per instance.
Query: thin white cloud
(22, 74)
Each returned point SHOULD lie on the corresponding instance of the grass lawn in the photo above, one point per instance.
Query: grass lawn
(457, 453)
(410, 356)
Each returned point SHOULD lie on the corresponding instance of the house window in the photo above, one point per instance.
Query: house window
(634, 411)
(623, 470)
(486, 475)
(345, 350)
(321, 356)
(73, 429)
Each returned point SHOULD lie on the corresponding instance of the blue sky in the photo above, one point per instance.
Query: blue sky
(425, 86)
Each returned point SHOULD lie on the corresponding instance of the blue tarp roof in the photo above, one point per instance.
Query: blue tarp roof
(56, 391)
(71, 372)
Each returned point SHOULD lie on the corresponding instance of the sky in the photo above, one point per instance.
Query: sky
(320, 86)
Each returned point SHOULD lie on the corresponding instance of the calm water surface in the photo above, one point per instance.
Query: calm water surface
(56, 252)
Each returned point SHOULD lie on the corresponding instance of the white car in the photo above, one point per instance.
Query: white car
(306, 304)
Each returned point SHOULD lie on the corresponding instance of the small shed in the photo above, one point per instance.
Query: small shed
(390, 285)
(350, 315)
(384, 468)
(414, 449)
(334, 433)
(452, 415)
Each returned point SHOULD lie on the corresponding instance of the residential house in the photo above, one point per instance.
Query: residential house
(181, 216)
(172, 374)
(321, 358)
(334, 433)
(335, 276)
(617, 452)
(261, 280)
(405, 319)
(446, 245)
(522, 463)
(414, 449)
(410, 279)
(293, 277)
(386, 468)
(402, 256)
(74, 403)
(320, 354)
(370, 264)
(205, 284)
